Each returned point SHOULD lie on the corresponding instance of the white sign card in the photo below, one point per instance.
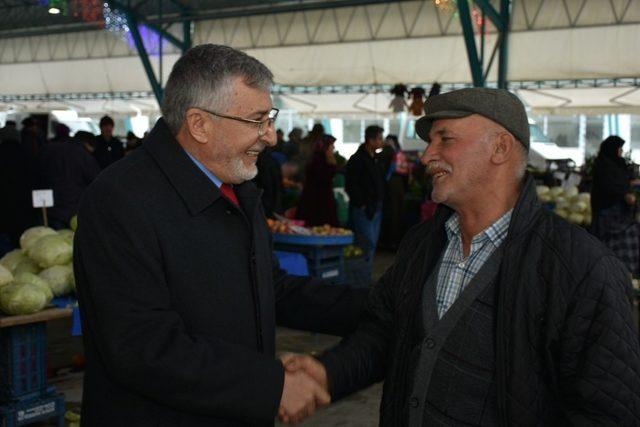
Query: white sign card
(42, 198)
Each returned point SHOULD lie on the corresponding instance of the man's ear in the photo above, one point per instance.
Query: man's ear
(503, 148)
(197, 125)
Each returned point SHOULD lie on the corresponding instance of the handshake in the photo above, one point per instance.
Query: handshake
(305, 388)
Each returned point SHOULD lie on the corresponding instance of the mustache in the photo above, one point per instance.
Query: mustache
(435, 166)
(258, 147)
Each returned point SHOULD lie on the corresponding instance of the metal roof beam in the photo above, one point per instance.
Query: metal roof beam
(266, 8)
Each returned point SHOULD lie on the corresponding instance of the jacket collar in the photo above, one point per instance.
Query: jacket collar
(195, 189)
(526, 210)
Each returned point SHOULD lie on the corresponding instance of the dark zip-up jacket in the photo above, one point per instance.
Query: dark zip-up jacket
(365, 181)
(567, 348)
(180, 296)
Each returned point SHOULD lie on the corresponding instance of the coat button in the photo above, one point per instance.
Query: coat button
(414, 402)
(430, 343)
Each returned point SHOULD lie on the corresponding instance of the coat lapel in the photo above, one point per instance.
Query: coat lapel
(197, 191)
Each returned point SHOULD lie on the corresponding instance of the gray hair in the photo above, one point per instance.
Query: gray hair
(202, 78)
(521, 168)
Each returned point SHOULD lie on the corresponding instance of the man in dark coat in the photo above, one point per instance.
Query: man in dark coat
(365, 182)
(269, 180)
(496, 312)
(16, 184)
(178, 289)
(108, 148)
(66, 167)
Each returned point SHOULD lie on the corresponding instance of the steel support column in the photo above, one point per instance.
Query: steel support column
(186, 36)
(470, 43)
(501, 21)
(503, 59)
(144, 56)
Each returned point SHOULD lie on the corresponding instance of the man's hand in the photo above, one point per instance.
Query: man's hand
(313, 368)
(311, 376)
(300, 397)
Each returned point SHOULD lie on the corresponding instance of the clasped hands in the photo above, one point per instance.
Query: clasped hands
(305, 388)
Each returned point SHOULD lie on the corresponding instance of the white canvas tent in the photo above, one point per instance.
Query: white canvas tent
(409, 42)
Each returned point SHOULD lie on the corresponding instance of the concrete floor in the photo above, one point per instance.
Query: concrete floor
(358, 410)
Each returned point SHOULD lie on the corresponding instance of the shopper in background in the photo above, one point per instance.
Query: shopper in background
(269, 180)
(613, 204)
(397, 183)
(31, 137)
(496, 312)
(178, 288)
(317, 205)
(308, 144)
(16, 214)
(365, 187)
(66, 167)
(133, 142)
(108, 148)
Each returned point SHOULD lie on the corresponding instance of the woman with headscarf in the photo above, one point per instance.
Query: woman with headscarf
(613, 203)
(317, 204)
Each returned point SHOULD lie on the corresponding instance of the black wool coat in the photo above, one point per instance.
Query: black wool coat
(180, 296)
(567, 350)
(365, 181)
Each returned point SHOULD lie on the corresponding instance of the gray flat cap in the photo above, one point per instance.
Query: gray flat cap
(498, 105)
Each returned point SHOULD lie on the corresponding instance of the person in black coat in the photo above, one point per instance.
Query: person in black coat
(108, 148)
(16, 184)
(269, 180)
(66, 167)
(365, 182)
(496, 311)
(178, 289)
(613, 204)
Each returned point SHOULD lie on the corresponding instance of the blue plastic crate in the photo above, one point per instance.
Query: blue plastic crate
(23, 372)
(333, 273)
(316, 255)
(26, 412)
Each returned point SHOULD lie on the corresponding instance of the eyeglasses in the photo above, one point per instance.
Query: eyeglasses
(262, 125)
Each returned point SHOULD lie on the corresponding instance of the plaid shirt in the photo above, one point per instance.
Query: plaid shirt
(456, 271)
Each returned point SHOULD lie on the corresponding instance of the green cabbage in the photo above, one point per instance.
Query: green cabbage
(5, 276)
(36, 281)
(67, 235)
(31, 235)
(59, 278)
(22, 298)
(51, 250)
(26, 265)
(12, 259)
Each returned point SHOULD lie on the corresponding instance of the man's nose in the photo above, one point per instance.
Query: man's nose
(270, 137)
(429, 153)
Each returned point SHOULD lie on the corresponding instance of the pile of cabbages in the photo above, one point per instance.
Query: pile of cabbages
(42, 268)
(568, 203)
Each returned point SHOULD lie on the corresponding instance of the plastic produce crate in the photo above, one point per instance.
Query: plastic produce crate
(25, 412)
(23, 361)
(333, 273)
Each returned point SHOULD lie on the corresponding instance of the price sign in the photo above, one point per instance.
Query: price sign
(42, 198)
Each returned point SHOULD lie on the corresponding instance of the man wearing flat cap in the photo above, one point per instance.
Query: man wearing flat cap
(496, 311)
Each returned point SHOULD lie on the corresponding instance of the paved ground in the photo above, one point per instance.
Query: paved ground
(358, 410)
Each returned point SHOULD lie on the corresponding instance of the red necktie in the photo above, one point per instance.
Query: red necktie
(228, 191)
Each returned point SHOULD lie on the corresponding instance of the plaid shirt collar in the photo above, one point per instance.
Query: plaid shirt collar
(496, 232)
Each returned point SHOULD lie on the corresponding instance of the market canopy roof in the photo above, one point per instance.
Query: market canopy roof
(567, 55)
